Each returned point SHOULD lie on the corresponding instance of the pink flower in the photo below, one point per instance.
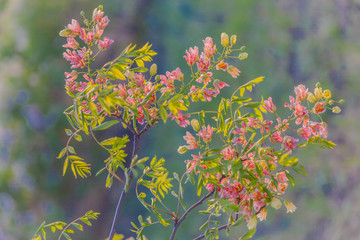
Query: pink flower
(104, 44)
(220, 85)
(74, 27)
(205, 78)
(191, 164)
(206, 133)
(97, 15)
(98, 32)
(76, 59)
(304, 132)
(234, 72)
(178, 74)
(71, 43)
(192, 56)
(86, 37)
(121, 89)
(300, 92)
(269, 106)
(289, 143)
(221, 65)
(208, 94)
(319, 129)
(202, 65)
(319, 107)
(228, 153)
(103, 22)
(190, 139)
(276, 137)
(181, 119)
(209, 47)
(281, 176)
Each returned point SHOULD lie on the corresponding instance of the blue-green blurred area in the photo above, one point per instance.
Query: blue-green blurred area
(289, 42)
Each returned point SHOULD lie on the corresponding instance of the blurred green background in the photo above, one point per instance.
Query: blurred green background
(289, 42)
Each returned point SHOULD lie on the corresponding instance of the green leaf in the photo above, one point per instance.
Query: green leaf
(78, 226)
(65, 165)
(68, 132)
(326, 143)
(67, 236)
(300, 171)
(105, 125)
(62, 153)
(78, 137)
(248, 234)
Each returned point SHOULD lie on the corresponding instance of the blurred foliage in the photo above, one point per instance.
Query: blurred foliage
(289, 42)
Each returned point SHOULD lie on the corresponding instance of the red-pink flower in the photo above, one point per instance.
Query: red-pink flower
(103, 22)
(86, 37)
(300, 92)
(203, 65)
(98, 32)
(269, 105)
(276, 137)
(281, 176)
(97, 15)
(209, 94)
(122, 92)
(228, 153)
(219, 85)
(304, 132)
(71, 43)
(209, 47)
(234, 72)
(178, 74)
(74, 27)
(206, 133)
(319, 107)
(190, 139)
(222, 65)
(319, 129)
(289, 143)
(192, 56)
(181, 119)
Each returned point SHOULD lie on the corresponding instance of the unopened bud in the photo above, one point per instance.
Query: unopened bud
(182, 149)
(275, 203)
(82, 13)
(317, 85)
(242, 48)
(318, 93)
(331, 102)
(311, 98)
(341, 101)
(336, 110)
(65, 32)
(243, 55)
(224, 39)
(327, 94)
(153, 69)
(195, 125)
(233, 39)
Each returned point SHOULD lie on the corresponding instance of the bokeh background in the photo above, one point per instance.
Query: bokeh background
(289, 42)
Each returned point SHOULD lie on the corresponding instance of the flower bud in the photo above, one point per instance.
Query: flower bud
(243, 55)
(224, 39)
(311, 98)
(327, 94)
(82, 13)
(153, 69)
(65, 32)
(331, 102)
(336, 109)
(233, 39)
(318, 93)
(195, 125)
(275, 203)
(290, 207)
(182, 149)
(341, 101)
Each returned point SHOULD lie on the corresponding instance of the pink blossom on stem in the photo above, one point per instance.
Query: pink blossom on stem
(181, 119)
(203, 65)
(233, 71)
(319, 108)
(190, 139)
(222, 65)
(71, 43)
(192, 56)
(289, 143)
(219, 85)
(304, 132)
(178, 74)
(103, 22)
(104, 44)
(269, 105)
(276, 137)
(86, 37)
(319, 129)
(228, 153)
(74, 27)
(206, 133)
(209, 47)
(300, 92)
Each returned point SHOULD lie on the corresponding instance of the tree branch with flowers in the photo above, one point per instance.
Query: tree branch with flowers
(243, 151)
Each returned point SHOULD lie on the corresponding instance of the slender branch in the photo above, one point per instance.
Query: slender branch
(177, 223)
(123, 192)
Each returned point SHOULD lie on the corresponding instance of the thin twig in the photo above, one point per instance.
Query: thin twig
(177, 223)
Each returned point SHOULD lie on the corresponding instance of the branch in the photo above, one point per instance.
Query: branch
(123, 192)
(177, 223)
